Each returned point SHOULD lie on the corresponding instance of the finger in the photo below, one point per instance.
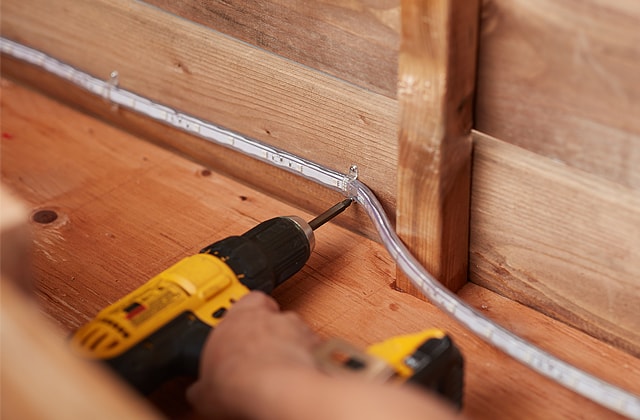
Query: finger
(204, 399)
(291, 326)
(256, 300)
(192, 393)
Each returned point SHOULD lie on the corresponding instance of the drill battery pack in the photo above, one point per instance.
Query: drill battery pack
(428, 359)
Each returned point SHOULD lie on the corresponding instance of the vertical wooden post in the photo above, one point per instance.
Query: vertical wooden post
(435, 90)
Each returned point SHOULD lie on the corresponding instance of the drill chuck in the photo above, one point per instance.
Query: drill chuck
(268, 254)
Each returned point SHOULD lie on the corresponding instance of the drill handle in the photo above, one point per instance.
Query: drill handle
(172, 351)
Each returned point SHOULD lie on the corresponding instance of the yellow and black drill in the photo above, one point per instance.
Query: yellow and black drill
(157, 332)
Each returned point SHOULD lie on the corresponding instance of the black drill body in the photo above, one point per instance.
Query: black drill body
(260, 259)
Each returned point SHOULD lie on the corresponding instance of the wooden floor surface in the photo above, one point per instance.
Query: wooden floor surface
(127, 209)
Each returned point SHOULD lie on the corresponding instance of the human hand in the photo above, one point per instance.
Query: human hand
(246, 353)
(258, 364)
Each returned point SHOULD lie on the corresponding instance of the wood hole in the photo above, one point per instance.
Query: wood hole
(44, 216)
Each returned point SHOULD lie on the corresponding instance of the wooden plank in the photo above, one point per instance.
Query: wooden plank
(211, 76)
(285, 186)
(124, 217)
(557, 239)
(559, 78)
(356, 41)
(436, 73)
(31, 350)
(555, 337)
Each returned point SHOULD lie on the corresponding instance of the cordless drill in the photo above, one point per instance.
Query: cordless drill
(157, 332)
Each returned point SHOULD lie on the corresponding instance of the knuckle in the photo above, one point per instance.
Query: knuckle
(258, 300)
(290, 317)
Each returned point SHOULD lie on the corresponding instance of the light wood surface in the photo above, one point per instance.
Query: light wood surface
(556, 79)
(555, 238)
(273, 181)
(435, 92)
(560, 78)
(123, 217)
(212, 76)
(33, 351)
(356, 41)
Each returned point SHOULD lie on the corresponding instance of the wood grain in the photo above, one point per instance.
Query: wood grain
(287, 187)
(209, 75)
(557, 239)
(123, 217)
(32, 350)
(356, 41)
(524, 277)
(435, 92)
(559, 78)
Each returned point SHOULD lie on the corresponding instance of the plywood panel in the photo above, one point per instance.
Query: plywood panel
(356, 41)
(125, 216)
(558, 239)
(559, 78)
(209, 75)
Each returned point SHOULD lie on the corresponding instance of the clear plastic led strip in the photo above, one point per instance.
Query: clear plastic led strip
(589, 386)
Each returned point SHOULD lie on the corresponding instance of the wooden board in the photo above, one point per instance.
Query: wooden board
(356, 41)
(560, 240)
(435, 91)
(209, 75)
(559, 78)
(32, 350)
(123, 217)
(275, 182)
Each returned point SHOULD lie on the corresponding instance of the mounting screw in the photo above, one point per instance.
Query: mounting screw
(353, 172)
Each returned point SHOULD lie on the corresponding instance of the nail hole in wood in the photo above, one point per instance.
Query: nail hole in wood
(44, 216)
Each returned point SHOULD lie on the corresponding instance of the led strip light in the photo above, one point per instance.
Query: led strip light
(589, 386)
